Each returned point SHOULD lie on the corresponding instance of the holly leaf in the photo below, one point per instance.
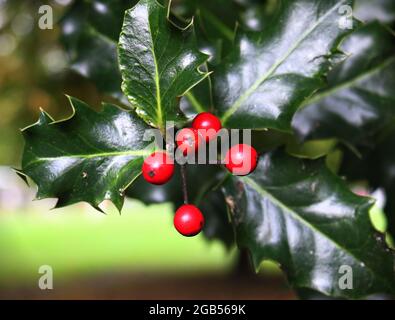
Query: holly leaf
(200, 98)
(89, 33)
(383, 160)
(216, 19)
(215, 24)
(359, 99)
(298, 213)
(217, 222)
(159, 62)
(89, 157)
(375, 165)
(153, 194)
(312, 149)
(269, 74)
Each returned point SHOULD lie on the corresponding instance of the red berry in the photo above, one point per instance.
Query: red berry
(158, 168)
(188, 220)
(207, 125)
(241, 159)
(188, 140)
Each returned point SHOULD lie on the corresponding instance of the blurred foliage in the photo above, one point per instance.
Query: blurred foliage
(33, 72)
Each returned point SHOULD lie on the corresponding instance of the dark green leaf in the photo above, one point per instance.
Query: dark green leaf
(197, 100)
(159, 62)
(200, 98)
(360, 98)
(89, 157)
(312, 149)
(296, 212)
(216, 19)
(376, 165)
(215, 23)
(217, 222)
(268, 140)
(90, 31)
(152, 194)
(269, 74)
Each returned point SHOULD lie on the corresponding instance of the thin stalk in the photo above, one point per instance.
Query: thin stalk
(184, 183)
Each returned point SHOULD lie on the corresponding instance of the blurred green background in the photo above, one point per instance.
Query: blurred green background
(134, 255)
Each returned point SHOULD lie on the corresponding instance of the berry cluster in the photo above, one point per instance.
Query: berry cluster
(158, 168)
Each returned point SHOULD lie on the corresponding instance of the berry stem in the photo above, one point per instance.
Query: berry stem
(184, 183)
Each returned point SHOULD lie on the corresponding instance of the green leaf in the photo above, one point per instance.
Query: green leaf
(217, 222)
(296, 212)
(215, 23)
(152, 194)
(376, 165)
(269, 74)
(312, 149)
(89, 33)
(89, 157)
(216, 19)
(200, 97)
(359, 99)
(159, 62)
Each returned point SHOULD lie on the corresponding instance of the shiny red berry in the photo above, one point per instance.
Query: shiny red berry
(158, 168)
(207, 125)
(188, 220)
(188, 140)
(241, 159)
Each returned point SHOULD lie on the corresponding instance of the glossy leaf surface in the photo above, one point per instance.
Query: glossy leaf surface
(269, 74)
(159, 62)
(375, 165)
(359, 99)
(90, 32)
(89, 157)
(296, 212)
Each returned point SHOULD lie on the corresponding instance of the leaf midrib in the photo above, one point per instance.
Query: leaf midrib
(159, 114)
(236, 105)
(348, 84)
(272, 198)
(91, 156)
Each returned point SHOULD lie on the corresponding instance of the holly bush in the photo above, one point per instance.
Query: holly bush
(314, 84)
